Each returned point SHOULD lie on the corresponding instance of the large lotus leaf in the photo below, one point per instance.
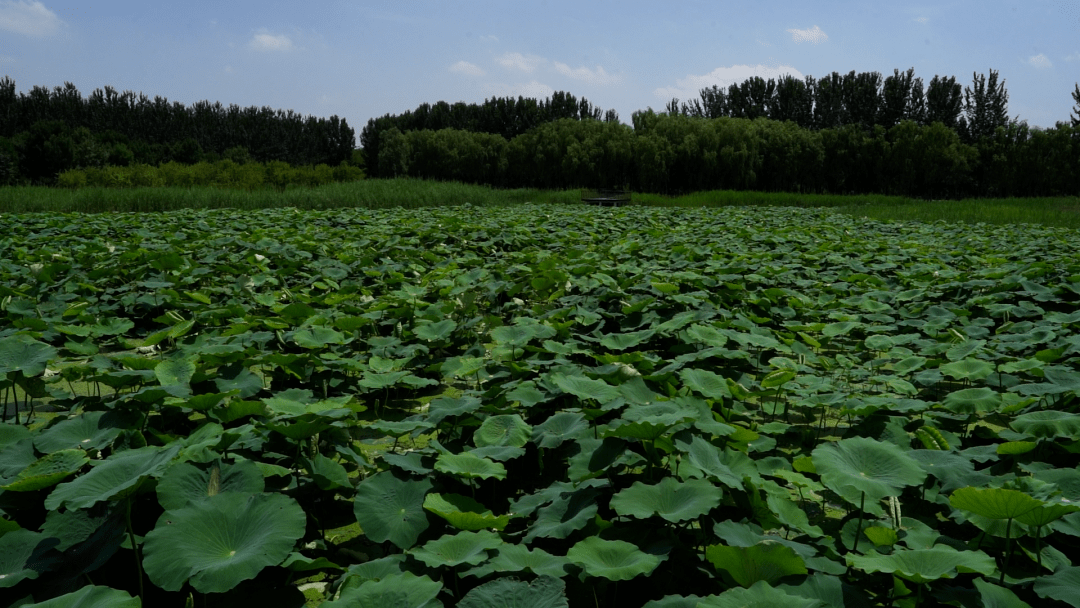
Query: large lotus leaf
(526, 394)
(924, 565)
(994, 503)
(1046, 514)
(440, 330)
(184, 482)
(389, 508)
(827, 589)
(759, 595)
(119, 474)
(87, 431)
(614, 560)
(544, 592)
(175, 371)
(318, 337)
(951, 469)
(513, 335)
(463, 512)
(586, 388)
(1048, 424)
(444, 407)
(238, 378)
(469, 466)
(672, 500)
(968, 369)
(92, 596)
(10, 434)
(972, 400)
(710, 384)
(997, 597)
(397, 590)
(455, 549)
(502, 430)
(766, 561)
(858, 465)
(839, 328)
(71, 527)
(48, 471)
(19, 354)
(728, 466)
(560, 427)
(1062, 585)
(570, 510)
(517, 558)
(706, 334)
(15, 550)
(626, 340)
(222, 540)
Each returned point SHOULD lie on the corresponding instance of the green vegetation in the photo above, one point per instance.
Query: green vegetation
(221, 174)
(44, 132)
(371, 194)
(536, 405)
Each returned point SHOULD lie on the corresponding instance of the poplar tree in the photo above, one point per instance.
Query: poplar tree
(1075, 115)
(944, 102)
(986, 106)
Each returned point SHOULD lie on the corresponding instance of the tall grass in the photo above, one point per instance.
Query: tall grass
(369, 193)
(415, 193)
(1060, 212)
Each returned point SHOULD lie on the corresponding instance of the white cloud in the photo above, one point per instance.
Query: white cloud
(517, 61)
(6, 59)
(814, 35)
(921, 19)
(597, 76)
(28, 18)
(532, 89)
(489, 38)
(689, 87)
(464, 67)
(1039, 61)
(1074, 57)
(265, 41)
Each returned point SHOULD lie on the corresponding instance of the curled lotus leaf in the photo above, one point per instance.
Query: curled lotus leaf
(1048, 424)
(614, 560)
(925, 565)
(671, 499)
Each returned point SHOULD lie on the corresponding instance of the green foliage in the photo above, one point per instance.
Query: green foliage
(536, 405)
(226, 173)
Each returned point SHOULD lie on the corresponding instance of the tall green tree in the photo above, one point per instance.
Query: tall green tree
(861, 94)
(986, 105)
(1074, 116)
(829, 108)
(901, 99)
(794, 101)
(944, 102)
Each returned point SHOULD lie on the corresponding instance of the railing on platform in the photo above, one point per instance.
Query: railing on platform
(613, 197)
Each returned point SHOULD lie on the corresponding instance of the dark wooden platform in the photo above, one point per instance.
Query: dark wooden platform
(610, 197)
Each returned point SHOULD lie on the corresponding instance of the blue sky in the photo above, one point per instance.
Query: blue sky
(364, 59)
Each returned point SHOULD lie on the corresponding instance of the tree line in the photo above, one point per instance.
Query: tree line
(503, 116)
(46, 131)
(854, 133)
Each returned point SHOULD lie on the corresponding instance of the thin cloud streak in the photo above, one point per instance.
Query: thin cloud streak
(28, 18)
(464, 67)
(517, 61)
(689, 87)
(265, 41)
(598, 76)
(814, 35)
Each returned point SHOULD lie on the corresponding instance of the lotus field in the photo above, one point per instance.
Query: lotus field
(537, 406)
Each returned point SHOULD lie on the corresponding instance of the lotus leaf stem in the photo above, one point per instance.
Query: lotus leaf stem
(858, 528)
